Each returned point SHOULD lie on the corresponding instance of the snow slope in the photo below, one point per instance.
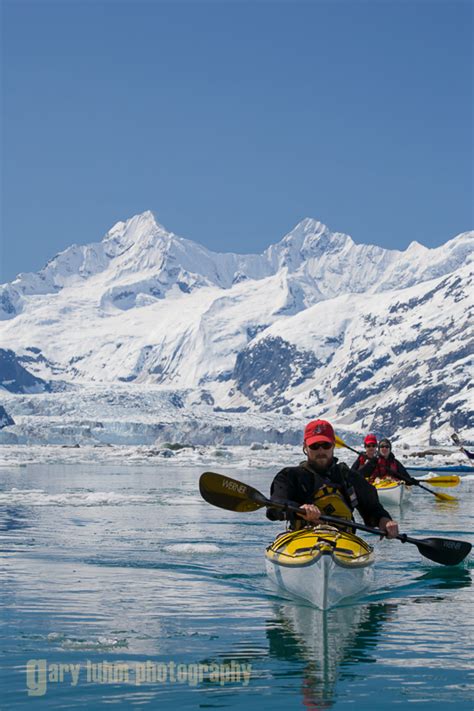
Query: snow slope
(316, 325)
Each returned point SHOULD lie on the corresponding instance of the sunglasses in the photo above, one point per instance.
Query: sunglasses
(384, 446)
(320, 445)
(370, 445)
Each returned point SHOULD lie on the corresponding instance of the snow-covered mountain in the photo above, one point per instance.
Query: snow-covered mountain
(315, 326)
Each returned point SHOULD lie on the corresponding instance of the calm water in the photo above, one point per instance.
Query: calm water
(121, 586)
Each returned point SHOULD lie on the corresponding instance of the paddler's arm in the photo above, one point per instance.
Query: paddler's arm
(403, 474)
(276, 514)
(279, 491)
(370, 507)
(367, 468)
(310, 513)
(283, 491)
(389, 526)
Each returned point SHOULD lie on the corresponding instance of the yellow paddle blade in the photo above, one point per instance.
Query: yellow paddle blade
(444, 481)
(444, 497)
(340, 442)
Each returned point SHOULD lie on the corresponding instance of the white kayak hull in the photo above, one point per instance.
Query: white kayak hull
(320, 572)
(392, 493)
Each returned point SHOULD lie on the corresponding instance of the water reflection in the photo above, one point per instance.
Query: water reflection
(437, 578)
(13, 517)
(324, 640)
(443, 579)
(448, 578)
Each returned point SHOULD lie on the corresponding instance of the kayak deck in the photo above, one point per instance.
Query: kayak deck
(322, 565)
(302, 547)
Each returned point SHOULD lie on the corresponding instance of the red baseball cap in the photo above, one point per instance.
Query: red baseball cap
(318, 431)
(370, 439)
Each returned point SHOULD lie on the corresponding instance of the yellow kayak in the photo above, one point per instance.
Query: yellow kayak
(322, 565)
(392, 491)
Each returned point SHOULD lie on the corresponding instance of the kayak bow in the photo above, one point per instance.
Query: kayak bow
(391, 492)
(322, 565)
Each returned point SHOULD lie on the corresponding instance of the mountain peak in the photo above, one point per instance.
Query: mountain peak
(308, 239)
(133, 229)
(416, 246)
(305, 228)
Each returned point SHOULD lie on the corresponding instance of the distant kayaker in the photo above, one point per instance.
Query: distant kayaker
(384, 465)
(370, 444)
(465, 451)
(322, 485)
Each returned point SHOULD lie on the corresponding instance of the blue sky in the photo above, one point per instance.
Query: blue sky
(232, 121)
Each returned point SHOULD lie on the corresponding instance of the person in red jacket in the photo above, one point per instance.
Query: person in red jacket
(385, 466)
(370, 444)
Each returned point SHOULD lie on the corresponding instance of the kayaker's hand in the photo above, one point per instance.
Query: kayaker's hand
(389, 527)
(310, 513)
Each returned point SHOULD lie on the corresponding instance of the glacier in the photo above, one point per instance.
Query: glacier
(147, 337)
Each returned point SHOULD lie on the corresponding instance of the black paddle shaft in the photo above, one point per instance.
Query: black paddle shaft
(441, 550)
(233, 495)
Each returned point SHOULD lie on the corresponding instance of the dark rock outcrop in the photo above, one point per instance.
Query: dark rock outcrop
(5, 419)
(15, 378)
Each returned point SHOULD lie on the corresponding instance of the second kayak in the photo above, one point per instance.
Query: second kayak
(392, 492)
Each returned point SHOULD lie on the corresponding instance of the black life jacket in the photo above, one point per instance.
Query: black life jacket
(333, 496)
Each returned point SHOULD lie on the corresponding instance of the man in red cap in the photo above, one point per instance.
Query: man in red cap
(322, 485)
(370, 444)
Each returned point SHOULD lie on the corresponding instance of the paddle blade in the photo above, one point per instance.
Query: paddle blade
(444, 497)
(229, 494)
(440, 497)
(443, 550)
(340, 442)
(443, 481)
